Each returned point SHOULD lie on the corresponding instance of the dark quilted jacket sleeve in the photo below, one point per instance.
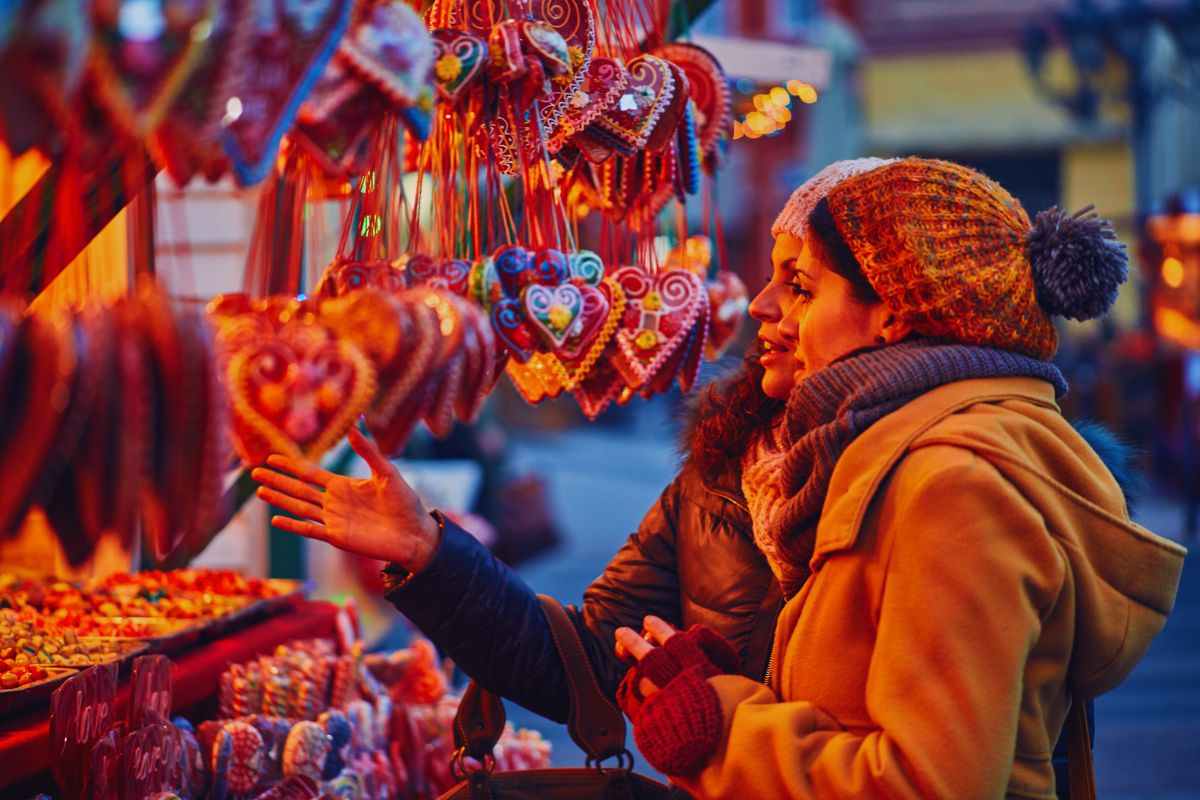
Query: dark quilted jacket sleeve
(480, 613)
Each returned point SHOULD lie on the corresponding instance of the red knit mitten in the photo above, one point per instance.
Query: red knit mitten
(679, 726)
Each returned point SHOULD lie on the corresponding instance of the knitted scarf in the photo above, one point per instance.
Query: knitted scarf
(786, 473)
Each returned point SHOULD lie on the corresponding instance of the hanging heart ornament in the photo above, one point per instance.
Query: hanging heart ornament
(660, 315)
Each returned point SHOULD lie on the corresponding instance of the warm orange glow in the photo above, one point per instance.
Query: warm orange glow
(1172, 272)
(759, 122)
(1176, 327)
(780, 97)
(762, 102)
(807, 95)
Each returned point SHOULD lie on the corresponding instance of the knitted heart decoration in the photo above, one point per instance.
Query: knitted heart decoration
(297, 393)
(637, 111)
(586, 266)
(659, 317)
(292, 42)
(458, 61)
(391, 48)
(397, 410)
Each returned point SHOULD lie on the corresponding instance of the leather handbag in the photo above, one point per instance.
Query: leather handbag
(595, 724)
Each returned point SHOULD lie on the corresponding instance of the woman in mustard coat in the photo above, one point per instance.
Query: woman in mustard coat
(959, 566)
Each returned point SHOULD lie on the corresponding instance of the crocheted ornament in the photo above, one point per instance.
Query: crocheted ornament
(1078, 263)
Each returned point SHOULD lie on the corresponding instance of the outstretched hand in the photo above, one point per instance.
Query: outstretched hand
(377, 517)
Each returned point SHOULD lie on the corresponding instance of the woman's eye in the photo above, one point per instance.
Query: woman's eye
(800, 291)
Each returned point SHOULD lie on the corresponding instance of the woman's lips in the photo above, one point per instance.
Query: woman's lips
(771, 352)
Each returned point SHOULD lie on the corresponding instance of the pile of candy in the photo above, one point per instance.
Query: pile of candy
(14, 675)
(25, 642)
(141, 605)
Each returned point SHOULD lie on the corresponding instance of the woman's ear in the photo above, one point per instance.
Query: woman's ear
(892, 329)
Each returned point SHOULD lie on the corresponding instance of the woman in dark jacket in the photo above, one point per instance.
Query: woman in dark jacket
(692, 560)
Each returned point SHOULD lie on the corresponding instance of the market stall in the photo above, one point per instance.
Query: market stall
(512, 182)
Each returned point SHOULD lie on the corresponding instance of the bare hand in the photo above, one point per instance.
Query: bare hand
(631, 646)
(377, 517)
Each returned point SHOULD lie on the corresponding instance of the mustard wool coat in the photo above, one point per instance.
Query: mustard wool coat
(975, 567)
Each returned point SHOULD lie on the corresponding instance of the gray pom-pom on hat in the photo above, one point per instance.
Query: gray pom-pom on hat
(1078, 263)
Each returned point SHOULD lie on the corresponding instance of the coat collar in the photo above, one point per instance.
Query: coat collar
(863, 466)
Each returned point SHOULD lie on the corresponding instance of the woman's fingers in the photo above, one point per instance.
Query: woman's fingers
(280, 482)
(291, 504)
(301, 469)
(658, 630)
(634, 645)
(370, 452)
(310, 530)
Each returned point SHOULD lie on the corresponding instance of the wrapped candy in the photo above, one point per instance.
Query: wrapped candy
(337, 728)
(237, 760)
(306, 750)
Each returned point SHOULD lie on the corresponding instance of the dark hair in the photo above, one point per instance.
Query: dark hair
(726, 416)
(837, 252)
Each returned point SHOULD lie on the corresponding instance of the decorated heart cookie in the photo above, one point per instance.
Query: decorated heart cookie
(646, 98)
(606, 79)
(660, 315)
(341, 277)
(709, 90)
(297, 392)
(459, 59)
(451, 274)
(391, 48)
(306, 750)
(292, 42)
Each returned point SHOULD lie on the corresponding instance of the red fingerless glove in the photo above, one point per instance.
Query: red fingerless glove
(678, 727)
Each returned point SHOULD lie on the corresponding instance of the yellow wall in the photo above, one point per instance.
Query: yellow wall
(987, 102)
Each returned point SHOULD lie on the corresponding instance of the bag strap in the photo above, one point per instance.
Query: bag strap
(1081, 772)
(594, 722)
(478, 723)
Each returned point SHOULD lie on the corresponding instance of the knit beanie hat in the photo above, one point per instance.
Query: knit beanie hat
(955, 256)
(793, 218)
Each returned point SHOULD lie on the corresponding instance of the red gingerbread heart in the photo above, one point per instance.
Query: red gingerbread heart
(606, 79)
(458, 61)
(297, 392)
(709, 90)
(391, 48)
(451, 274)
(341, 277)
(660, 315)
(637, 111)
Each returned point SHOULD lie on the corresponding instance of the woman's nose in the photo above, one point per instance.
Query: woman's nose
(765, 305)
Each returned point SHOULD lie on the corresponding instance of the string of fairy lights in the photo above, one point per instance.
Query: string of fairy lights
(772, 109)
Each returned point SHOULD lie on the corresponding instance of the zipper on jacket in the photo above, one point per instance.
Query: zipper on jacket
(770, 668)
(728, 497)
